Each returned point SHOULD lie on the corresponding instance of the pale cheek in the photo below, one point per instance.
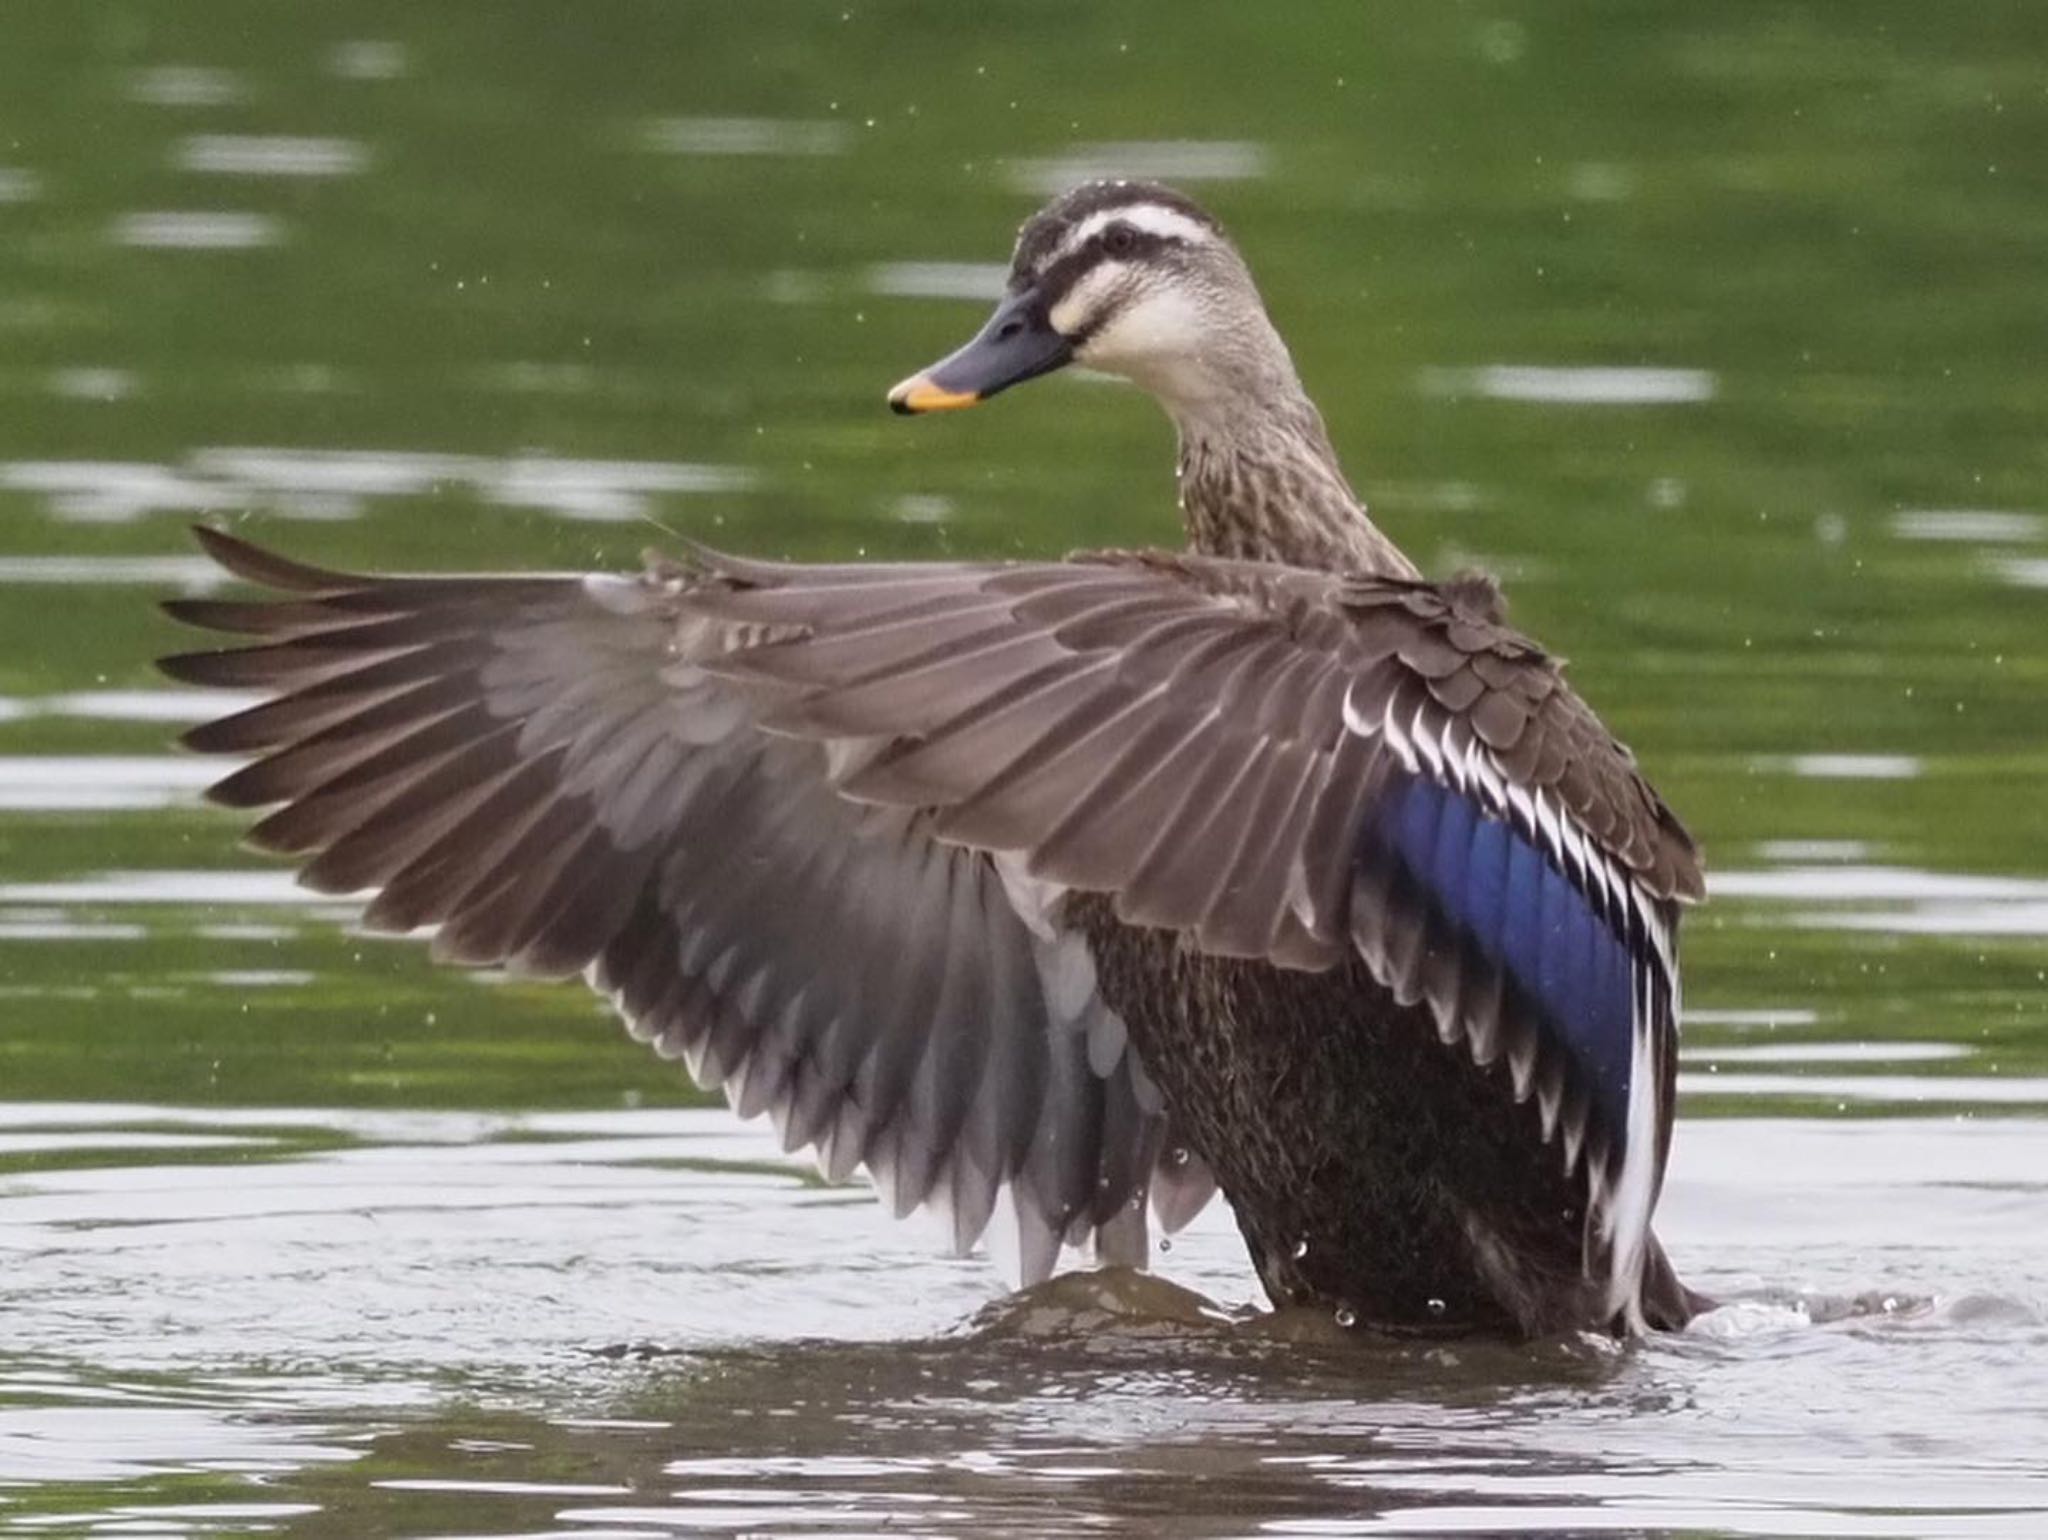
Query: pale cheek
(1156, 330)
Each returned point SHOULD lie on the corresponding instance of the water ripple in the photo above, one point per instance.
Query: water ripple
(1905, 1090)
(1973, 525)
(777, 1356)
(331, 484)
(71, 783)
(167, 887)
(2023, 572)
(939, 280)
(193, 574)
(1161, 160)
(270, 155)
(186, 85)
(198, 230)
(131, 705)
(1829, 1053)
(367, 59)
(1559, 385)
(746, 136)
(1897, 900)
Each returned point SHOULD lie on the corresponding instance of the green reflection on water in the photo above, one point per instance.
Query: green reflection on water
(509, 237)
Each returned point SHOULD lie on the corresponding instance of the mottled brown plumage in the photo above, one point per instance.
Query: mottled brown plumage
(1054, 885)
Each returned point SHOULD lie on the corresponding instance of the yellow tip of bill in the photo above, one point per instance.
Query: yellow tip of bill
(919, 394)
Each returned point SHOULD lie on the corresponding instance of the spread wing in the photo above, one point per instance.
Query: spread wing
(1287, 765)
(543, 770)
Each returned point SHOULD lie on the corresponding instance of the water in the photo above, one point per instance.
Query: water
(640, 1322)
(1719, 335)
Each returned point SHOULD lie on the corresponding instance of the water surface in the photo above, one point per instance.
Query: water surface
(1719, 334)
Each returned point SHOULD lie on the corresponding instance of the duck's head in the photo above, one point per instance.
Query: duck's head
(1129, 278)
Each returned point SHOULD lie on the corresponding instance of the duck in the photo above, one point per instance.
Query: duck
(1057, 895)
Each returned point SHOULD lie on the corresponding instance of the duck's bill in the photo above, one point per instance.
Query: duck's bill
(1017, 344)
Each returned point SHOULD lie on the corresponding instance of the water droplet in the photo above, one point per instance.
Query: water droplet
(1435, 1306)
(1346, 1317)
(1301, 1248)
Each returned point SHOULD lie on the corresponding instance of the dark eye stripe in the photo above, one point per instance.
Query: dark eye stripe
(1145, 245)
(1059, 276)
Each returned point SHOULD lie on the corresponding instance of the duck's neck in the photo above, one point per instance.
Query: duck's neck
(1259, 480)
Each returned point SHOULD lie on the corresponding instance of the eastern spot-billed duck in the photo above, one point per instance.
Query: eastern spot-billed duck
(1051, 890)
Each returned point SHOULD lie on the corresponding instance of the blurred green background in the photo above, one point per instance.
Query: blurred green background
(1720, 332)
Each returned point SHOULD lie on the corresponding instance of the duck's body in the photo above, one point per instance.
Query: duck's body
(1267, 867)
(1364, 1164)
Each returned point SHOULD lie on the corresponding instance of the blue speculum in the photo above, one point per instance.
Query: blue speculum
(1556, 943)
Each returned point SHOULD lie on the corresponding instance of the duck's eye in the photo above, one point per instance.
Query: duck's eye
(1119, 240)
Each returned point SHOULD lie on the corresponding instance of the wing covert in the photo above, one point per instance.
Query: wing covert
(1286, 765)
